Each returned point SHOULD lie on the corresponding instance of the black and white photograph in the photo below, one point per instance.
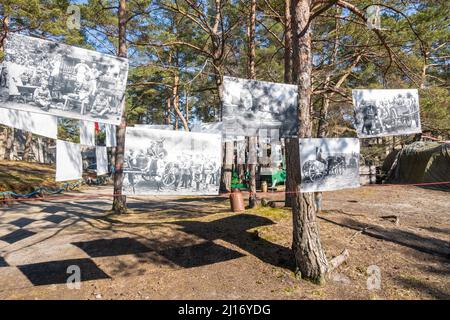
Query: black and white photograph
(329, 164)
(386, 112)
(165, 162)
(250, 105)
(52, 78)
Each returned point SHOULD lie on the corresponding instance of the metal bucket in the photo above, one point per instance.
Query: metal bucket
(264, 186)
(237, 201)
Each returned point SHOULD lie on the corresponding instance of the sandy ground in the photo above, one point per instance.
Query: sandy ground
(195, 248)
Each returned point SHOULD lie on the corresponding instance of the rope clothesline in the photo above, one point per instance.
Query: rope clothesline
(100, 195)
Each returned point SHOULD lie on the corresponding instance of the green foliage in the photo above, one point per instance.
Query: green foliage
(69, 130)
(167, 39)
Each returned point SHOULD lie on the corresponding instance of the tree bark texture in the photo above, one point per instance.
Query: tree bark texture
(120, 201)
(309, 256)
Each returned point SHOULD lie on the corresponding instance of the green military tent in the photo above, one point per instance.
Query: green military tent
(420, 162)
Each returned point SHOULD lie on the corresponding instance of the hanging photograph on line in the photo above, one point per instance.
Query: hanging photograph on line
(69, 163)
(57, 79)
(167, 162)
(30, 121)
(386, 112)
(329, 164)
(250, 105)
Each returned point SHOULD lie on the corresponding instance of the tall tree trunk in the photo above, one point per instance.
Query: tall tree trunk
(292, 170)
(287, 42)
(251, 73)
(289, 143)
(28, 146)
(120, 201)
(227, 165)
(309, 256)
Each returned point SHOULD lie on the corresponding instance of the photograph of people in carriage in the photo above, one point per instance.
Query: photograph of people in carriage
(166, 162)
(329, 164)
(52, 78)
(250, 105)
(383, 112)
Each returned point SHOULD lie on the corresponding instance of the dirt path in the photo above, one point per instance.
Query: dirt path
(183, 248)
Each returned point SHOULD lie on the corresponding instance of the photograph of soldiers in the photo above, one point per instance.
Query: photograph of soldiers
(250, 105)
(386, 112)
(83, 84)
(175, 162)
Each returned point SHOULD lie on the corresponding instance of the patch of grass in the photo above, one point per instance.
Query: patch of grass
(24, 177)
(290, 290)
(271, 213)
(318, 293)
(410, 278)
(265, 235)
(373, 296)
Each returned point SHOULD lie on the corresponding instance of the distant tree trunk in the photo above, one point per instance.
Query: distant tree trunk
(167, 113)
(251, 73)
(309, 256)
(5, 31)
(28, 146)
(321, 128)
(225, 185)
(120, 201)
(289, 143)
(186, 108)
(176, 102)
(10, 132)
(252, 142)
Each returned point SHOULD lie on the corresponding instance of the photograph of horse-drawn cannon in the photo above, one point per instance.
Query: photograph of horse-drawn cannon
(329, 164)
(171, 162)
(150, 165)
(386, 112)
(316, 170)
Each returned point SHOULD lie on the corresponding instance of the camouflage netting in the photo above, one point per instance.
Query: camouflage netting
(419, 162)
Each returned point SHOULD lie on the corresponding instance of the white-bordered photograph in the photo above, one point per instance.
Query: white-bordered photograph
(165, 162)
(69, 163)
(386, 112)
(329, 164)
(250, 105)
(52, 78)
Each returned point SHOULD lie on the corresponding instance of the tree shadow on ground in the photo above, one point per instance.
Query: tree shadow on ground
(422, 286)
(436, 247)
(197, 248)
(235, 230)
